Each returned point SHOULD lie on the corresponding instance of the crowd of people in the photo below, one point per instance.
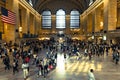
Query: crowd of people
(26, 53)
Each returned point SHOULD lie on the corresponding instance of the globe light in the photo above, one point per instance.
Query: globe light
(104, 37)
(93, 37)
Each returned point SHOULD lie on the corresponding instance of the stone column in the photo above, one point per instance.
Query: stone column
(23, 20)
(89, 23)
(87, 28)
(40, 26)
(98, 27)
(11, 31)
(32, 24)
(34, 21)
(82, 27)
(110, 17)
(16, 10)
(25, 28)
(118, 18)
(93, 21)
(35, 25)
(53, 25)
(110, 14)
(94, 27)
(68, 24)
(81, 24)
(85, 25)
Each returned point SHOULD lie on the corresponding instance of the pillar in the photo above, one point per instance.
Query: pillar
(93, 21)
(25, 28)
(89, 23)
(11, 32)
(67, 24)
(118, 18)
(31, 24)
(110, 14)
(22, 21)
(35, 25)
(85, 24)
(98, 21)
(53, 25)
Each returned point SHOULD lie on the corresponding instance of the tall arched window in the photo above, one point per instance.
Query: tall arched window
(91, 1)
(60, 19)
(46, 19)
(74, 19)
(30, 2)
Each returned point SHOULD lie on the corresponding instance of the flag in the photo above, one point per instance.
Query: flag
(8, 16)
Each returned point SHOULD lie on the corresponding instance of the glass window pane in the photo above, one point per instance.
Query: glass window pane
(46, 13)
(74, 19)
(60, 19)
(46, 19)
(74, 13)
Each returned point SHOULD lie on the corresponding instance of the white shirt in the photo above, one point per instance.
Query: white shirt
(91, 76)
(34, 55)
(85, 50)
(25, 66)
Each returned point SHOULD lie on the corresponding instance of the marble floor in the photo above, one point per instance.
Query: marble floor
(71, 69)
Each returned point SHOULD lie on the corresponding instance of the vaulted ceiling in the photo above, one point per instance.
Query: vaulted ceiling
(80, 5)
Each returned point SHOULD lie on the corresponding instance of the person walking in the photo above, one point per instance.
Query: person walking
(25, 70)
(90, 54)
(40, 69)
(15, 67)
(91, 75)
(6, 62)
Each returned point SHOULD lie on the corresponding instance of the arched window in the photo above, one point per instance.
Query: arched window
(74, 19)
(30, 2)
(91, 1)
(60, 19)
(46, 19)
